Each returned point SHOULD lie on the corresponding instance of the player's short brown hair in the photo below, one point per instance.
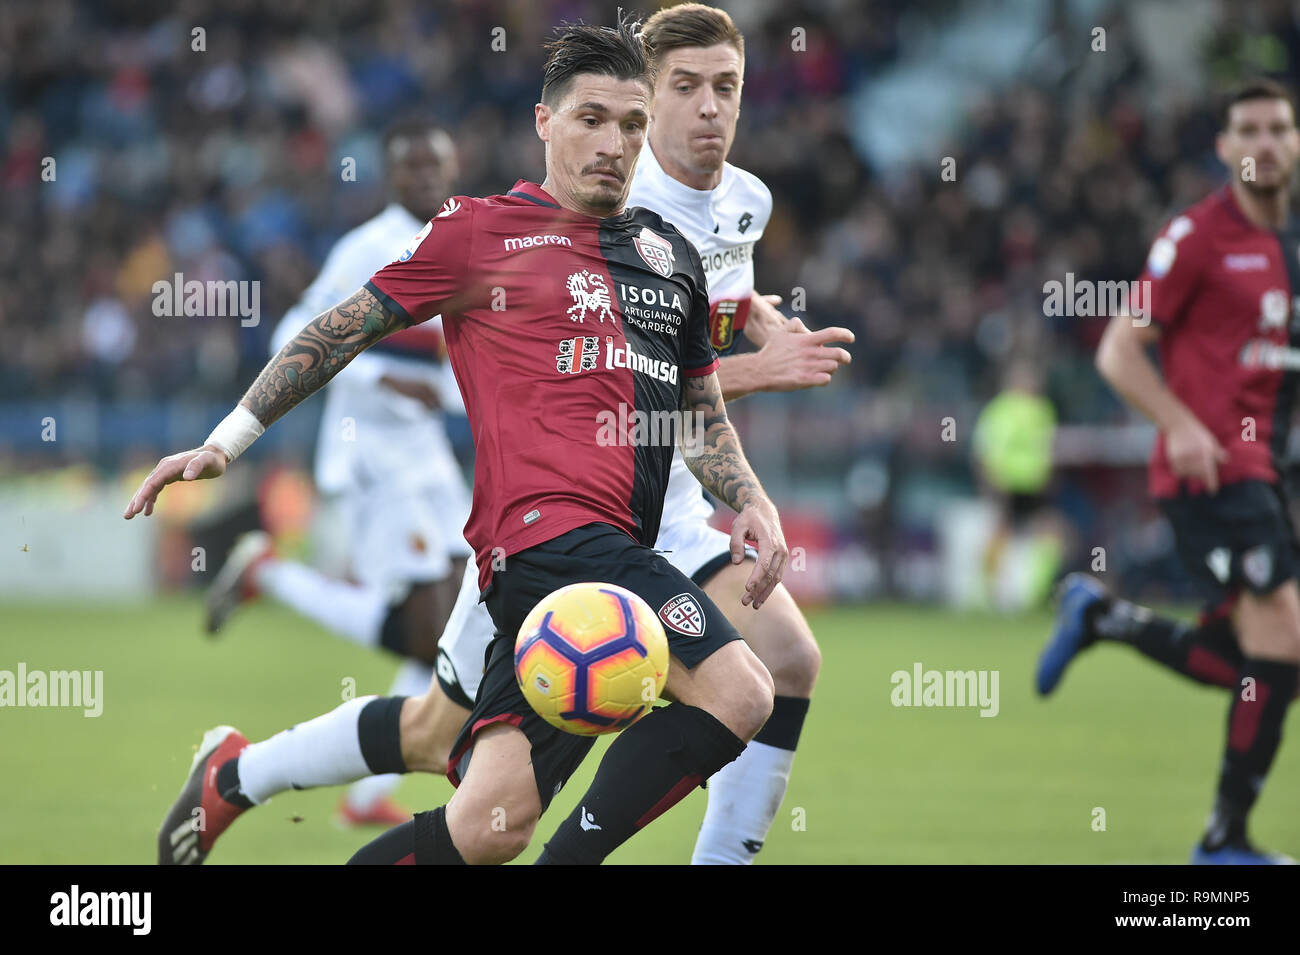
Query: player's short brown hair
(690, 24)
(609, 51)
(1258, 88)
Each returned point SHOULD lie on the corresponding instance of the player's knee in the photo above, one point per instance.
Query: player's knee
(497, 842)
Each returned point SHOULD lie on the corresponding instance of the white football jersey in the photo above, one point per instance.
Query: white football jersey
(724, 224)
(367, 429)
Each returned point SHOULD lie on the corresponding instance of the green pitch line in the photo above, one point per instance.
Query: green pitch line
(873, 782)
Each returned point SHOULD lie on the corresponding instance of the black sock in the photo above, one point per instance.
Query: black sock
(422, 841)
(433, 845)
(783, 727)
(1265, 689)
(379, 732)
(392, 632)
(648, 769)
(394, 847)
(1207, 653)
(228, 785)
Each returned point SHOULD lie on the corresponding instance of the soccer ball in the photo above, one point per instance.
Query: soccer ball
(591, 658)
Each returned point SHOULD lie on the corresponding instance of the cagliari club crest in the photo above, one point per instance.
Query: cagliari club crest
(684, 614)
(655, 251)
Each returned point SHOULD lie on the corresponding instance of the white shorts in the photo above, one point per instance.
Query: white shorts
(399, 536)
(692, 546)
(462, 648)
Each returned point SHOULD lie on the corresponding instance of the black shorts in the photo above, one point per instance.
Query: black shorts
(1241, 537)
(695, 628)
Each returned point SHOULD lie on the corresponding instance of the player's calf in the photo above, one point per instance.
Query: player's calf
(429, 725)
(1268, 625)
(746, 794)
(731, 685)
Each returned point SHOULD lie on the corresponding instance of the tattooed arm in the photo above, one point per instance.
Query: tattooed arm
(712, 452)
(318, 353)
(303, 366)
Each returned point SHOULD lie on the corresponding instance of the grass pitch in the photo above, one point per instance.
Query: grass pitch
(873, 782)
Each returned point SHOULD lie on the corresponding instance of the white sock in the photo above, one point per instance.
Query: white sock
(744, 797)
(325, 751)
(350, 610)
(412, 679)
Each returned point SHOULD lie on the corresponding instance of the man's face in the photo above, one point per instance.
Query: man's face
(422, 170)
(1264, 132)
(697, 102)
(593, 137)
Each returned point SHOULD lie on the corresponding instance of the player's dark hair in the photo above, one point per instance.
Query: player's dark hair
(690, 24)
(409, 127)
(608, 51)
(1257, 88)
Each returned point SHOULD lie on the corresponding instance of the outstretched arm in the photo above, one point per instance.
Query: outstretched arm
(318, 353)
(712, 452)
(311, 358)
(789, 358)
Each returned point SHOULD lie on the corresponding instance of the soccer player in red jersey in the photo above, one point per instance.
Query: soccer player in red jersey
(515, 278)
(1221, 281)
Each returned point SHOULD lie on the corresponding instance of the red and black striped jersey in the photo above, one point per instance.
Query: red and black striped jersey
(1222, 291)
(571, 337)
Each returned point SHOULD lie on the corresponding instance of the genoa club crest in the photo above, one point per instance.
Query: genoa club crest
(684, 614)
(657, 252)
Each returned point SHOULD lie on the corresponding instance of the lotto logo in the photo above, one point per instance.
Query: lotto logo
(577, 355)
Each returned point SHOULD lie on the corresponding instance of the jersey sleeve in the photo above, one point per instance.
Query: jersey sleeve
(1173, 272)
(698, 356)
(434, 267)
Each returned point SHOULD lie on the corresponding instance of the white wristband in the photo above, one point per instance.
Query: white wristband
(236, 432)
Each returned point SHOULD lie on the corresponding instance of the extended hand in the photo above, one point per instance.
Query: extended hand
(194, 465)
(795, 358)
(1195, 453)
(757, 524)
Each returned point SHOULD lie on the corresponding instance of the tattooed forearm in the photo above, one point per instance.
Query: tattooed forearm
(715, 457)
(318, 353)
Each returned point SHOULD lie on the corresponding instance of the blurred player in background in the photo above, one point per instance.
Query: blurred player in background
(1013, 448)
(1223, 277)
(390, 481)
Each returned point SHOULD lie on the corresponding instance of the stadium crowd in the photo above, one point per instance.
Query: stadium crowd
(213, 139)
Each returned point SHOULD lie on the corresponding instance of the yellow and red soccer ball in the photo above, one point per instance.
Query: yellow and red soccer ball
(591, 658)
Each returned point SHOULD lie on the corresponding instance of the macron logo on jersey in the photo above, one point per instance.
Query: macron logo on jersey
(515, 243)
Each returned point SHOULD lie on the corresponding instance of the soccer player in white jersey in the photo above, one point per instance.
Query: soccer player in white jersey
(683, 176)
(384, 466)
